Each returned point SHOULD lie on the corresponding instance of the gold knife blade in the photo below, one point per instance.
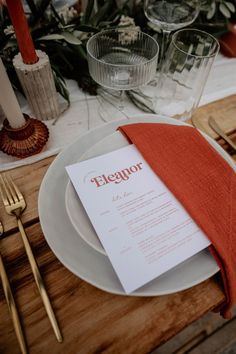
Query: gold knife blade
(219, 131)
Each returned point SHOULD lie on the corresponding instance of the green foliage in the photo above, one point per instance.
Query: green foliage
(214, 16)
(63, 34)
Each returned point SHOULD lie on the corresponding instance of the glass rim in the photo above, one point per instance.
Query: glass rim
(122, 30)
(197, 6)
(199, 31)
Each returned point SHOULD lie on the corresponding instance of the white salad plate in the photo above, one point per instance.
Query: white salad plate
(74, 207)
(73, 243)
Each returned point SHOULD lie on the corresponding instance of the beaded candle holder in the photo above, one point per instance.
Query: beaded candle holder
(24, 141)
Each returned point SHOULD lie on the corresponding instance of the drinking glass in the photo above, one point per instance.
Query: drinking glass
(185, 71)
(122, 59)
(171, 15)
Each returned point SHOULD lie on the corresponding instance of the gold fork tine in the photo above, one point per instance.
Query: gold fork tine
(12, 192)
(8, 199)
(4, 199)
(3, 195)
(18, 193)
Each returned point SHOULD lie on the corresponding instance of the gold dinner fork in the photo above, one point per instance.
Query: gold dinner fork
(11, 303)
(15, 204)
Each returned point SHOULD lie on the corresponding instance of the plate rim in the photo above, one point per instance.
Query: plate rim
(61, 157)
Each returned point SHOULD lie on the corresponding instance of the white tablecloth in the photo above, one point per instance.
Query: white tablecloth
(86, 112)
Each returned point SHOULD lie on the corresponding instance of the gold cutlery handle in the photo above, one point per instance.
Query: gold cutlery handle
(12, 308)
(39, 282)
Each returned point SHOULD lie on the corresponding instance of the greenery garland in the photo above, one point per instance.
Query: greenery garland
(63, 34)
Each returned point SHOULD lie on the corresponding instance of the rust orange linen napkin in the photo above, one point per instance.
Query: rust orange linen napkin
(202, 181)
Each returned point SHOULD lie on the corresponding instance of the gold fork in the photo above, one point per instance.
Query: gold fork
(15, 204)
(11, 303)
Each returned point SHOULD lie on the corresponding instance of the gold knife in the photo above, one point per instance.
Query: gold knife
(218, 130)
(11, 303)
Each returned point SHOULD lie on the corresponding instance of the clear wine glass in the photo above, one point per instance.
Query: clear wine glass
(122, 59)
(171, 15)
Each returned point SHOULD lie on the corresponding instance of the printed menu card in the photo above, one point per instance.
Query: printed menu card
(143, 228)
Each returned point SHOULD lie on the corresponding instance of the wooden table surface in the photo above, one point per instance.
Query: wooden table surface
(91, 320)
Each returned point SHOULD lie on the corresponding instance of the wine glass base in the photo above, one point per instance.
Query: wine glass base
(111, 105)
(180, 110)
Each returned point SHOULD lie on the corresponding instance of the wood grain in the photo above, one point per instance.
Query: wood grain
(92, 321)
(223, 111)
(199, 332)
(28, 179)
(223, 341)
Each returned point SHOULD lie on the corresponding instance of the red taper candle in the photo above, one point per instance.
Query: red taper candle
(23, 36)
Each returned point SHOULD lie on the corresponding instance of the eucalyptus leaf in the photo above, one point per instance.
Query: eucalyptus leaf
(211, 11)
(154, 27)
(54, 11)
(79, 50)
(1, 17)
(48, 28)
(43, 4)
(87, 28)
(63, 54)
(115, 16)
(60, 87)
(102, 12)
(70, 38)
(51, 37)
(105, 24)
(41, 9)
(230, 6)
(58, 74)
(32, 6)
(89, 10)
(10, 44)
(68, 26)
(224, 10)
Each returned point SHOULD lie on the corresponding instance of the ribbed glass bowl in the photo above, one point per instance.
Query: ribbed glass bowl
(122, 59)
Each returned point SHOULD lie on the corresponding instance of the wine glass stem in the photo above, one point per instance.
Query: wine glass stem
(165, 39)
(121, 100)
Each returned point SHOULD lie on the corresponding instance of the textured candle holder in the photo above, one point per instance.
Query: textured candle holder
(38, 85)
(25, 141)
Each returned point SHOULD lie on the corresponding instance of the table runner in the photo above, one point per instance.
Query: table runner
(86, 112)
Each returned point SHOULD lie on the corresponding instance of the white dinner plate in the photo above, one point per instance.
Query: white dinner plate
(74, 207)
(81, 258)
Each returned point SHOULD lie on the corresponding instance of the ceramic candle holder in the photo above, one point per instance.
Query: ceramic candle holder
(25, 141)
(38, 85)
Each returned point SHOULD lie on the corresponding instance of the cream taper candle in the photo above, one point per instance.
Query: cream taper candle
(8, 100)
